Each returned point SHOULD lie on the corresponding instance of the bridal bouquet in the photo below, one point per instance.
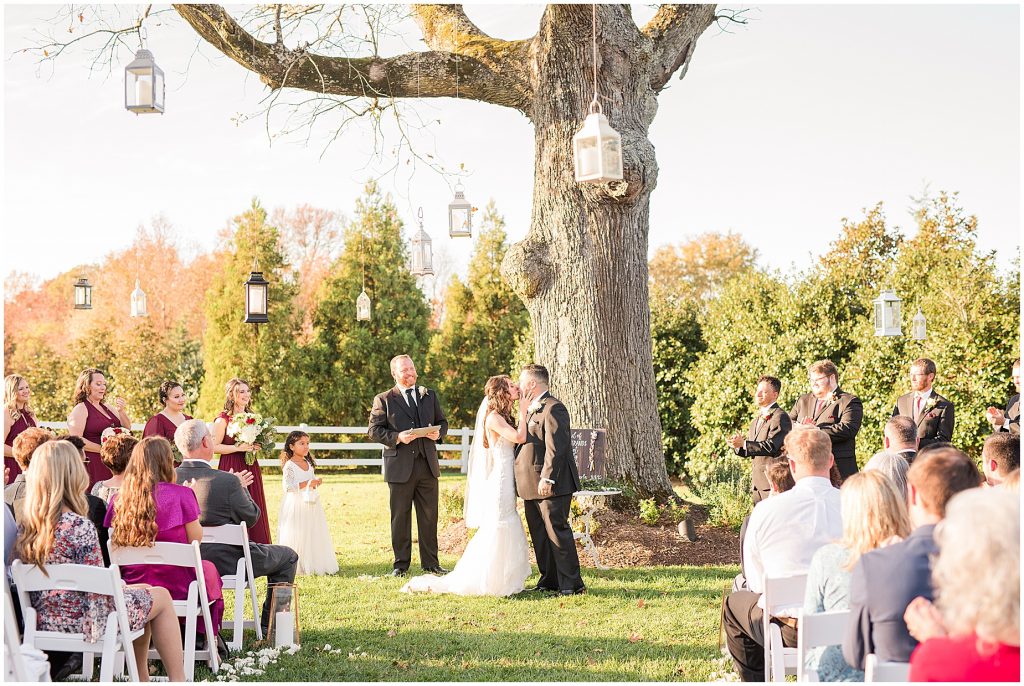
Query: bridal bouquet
(112, 431)
(250, 427)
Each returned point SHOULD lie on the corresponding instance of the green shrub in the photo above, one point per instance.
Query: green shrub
(452, 503)
(677, 511)
(728, 502)
(650, 513)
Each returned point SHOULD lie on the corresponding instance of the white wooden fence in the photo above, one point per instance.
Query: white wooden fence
(459, 459)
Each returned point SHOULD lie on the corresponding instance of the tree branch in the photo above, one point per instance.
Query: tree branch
(674, 30)
(490, 70)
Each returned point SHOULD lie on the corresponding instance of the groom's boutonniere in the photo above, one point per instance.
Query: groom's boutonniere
(831, 397)
(535, 406)
(422, 391)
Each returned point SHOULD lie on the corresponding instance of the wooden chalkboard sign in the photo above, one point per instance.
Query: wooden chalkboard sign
(589, 448)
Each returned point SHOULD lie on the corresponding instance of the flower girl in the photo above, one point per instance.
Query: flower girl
(303, 524)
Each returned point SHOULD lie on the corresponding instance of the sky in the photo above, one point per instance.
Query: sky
(782, 127)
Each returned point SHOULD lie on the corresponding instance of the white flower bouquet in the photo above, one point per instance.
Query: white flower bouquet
(251, 427)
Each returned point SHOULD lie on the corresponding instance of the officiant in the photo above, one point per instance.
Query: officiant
(410, 467)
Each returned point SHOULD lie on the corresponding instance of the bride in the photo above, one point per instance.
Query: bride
(497, 559)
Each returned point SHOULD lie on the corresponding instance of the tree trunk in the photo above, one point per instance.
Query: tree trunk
(583, 274)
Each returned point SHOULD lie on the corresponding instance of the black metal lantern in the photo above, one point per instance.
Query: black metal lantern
(83, 294)
(144, 85)
(256, 291)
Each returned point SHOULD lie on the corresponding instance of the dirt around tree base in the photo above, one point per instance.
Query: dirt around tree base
(622, 540)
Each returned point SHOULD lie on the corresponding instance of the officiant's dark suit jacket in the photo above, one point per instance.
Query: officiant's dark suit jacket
(764, 441)
(1013, 414)
(932, 426)
(547, 453)
(392, 415)
(840, 420)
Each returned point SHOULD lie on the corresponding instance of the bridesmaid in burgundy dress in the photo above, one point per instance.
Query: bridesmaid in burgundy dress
(18, 416)
(90, 416)
(166, 421)
(232, 455)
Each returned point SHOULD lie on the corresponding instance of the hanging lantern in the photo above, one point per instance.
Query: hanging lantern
(919, 326)
(363, 307)
(422, 255)
(597, 150)
(83, 294)
(887, 314)
(460, 215)
(139, 301)
(256, 288)
(144, 85)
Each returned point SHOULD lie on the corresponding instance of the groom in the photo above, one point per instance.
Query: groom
(546, 478)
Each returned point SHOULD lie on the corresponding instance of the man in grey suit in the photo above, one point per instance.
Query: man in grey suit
(931, 413)
(832, 410)
(885, 580)
(765, 435)
(223, 499)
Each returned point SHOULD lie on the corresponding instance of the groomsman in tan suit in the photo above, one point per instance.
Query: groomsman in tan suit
(765, 435)
(931, 413)
(832, 410)
(1008, 420)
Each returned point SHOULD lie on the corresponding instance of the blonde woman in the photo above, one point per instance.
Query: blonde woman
(18, 416)
(874, 515)
(972, 633)
(90, 416)
(55, 530)
(237, 397)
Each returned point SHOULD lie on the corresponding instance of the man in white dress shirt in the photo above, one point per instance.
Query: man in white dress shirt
(783, 534)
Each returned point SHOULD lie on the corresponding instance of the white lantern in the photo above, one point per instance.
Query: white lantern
(144, 85)
(919, 326)
(83, 294)
(460, 215)
(139, 301)
(597, 150)
(363, 307)
(256, 293)
(887, 314)
(422, 254)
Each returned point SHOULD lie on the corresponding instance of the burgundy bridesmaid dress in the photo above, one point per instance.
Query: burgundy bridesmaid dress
(160, 425)
(24, 421)
(95, 423)
(259, 532)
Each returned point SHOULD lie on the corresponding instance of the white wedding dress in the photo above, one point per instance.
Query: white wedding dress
(497, 559)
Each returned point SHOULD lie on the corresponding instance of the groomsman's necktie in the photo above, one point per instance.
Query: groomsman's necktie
(817, 404)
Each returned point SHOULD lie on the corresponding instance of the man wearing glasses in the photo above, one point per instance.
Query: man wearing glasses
(832, 410)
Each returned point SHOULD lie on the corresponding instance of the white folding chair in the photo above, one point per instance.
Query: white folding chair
(876, 670)
(779, 592)
(818, 629)
(116, 643)
(197, 604)
(16, 667)
(243, 579)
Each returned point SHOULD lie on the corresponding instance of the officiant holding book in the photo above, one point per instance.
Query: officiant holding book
(410, 468)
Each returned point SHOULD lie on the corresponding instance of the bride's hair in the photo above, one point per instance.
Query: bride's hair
(499, 400)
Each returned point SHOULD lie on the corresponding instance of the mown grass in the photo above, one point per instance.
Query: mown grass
(654, 623)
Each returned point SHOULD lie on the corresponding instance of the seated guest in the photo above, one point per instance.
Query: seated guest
(999, 457)
(114, 452)
(780, 480)
(884, 581)
(900, 437)
(223, 499)
(976, 633)
(96, 508)
(151, 508)
(782, 536)
(24, 446)
(894, 466)
(54, 531)
(874, 515)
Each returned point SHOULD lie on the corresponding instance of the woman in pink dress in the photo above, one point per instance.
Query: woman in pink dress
(232, 455)
(166, 421)
(18, 416)
(151, 508)
(90, 416)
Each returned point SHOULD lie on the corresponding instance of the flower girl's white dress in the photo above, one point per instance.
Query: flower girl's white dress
(303, 524)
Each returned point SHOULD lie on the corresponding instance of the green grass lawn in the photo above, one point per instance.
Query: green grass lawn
(654, 623)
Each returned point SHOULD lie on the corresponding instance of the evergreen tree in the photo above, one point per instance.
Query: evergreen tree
(348, 361)
(484, 320)
(231, 347)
